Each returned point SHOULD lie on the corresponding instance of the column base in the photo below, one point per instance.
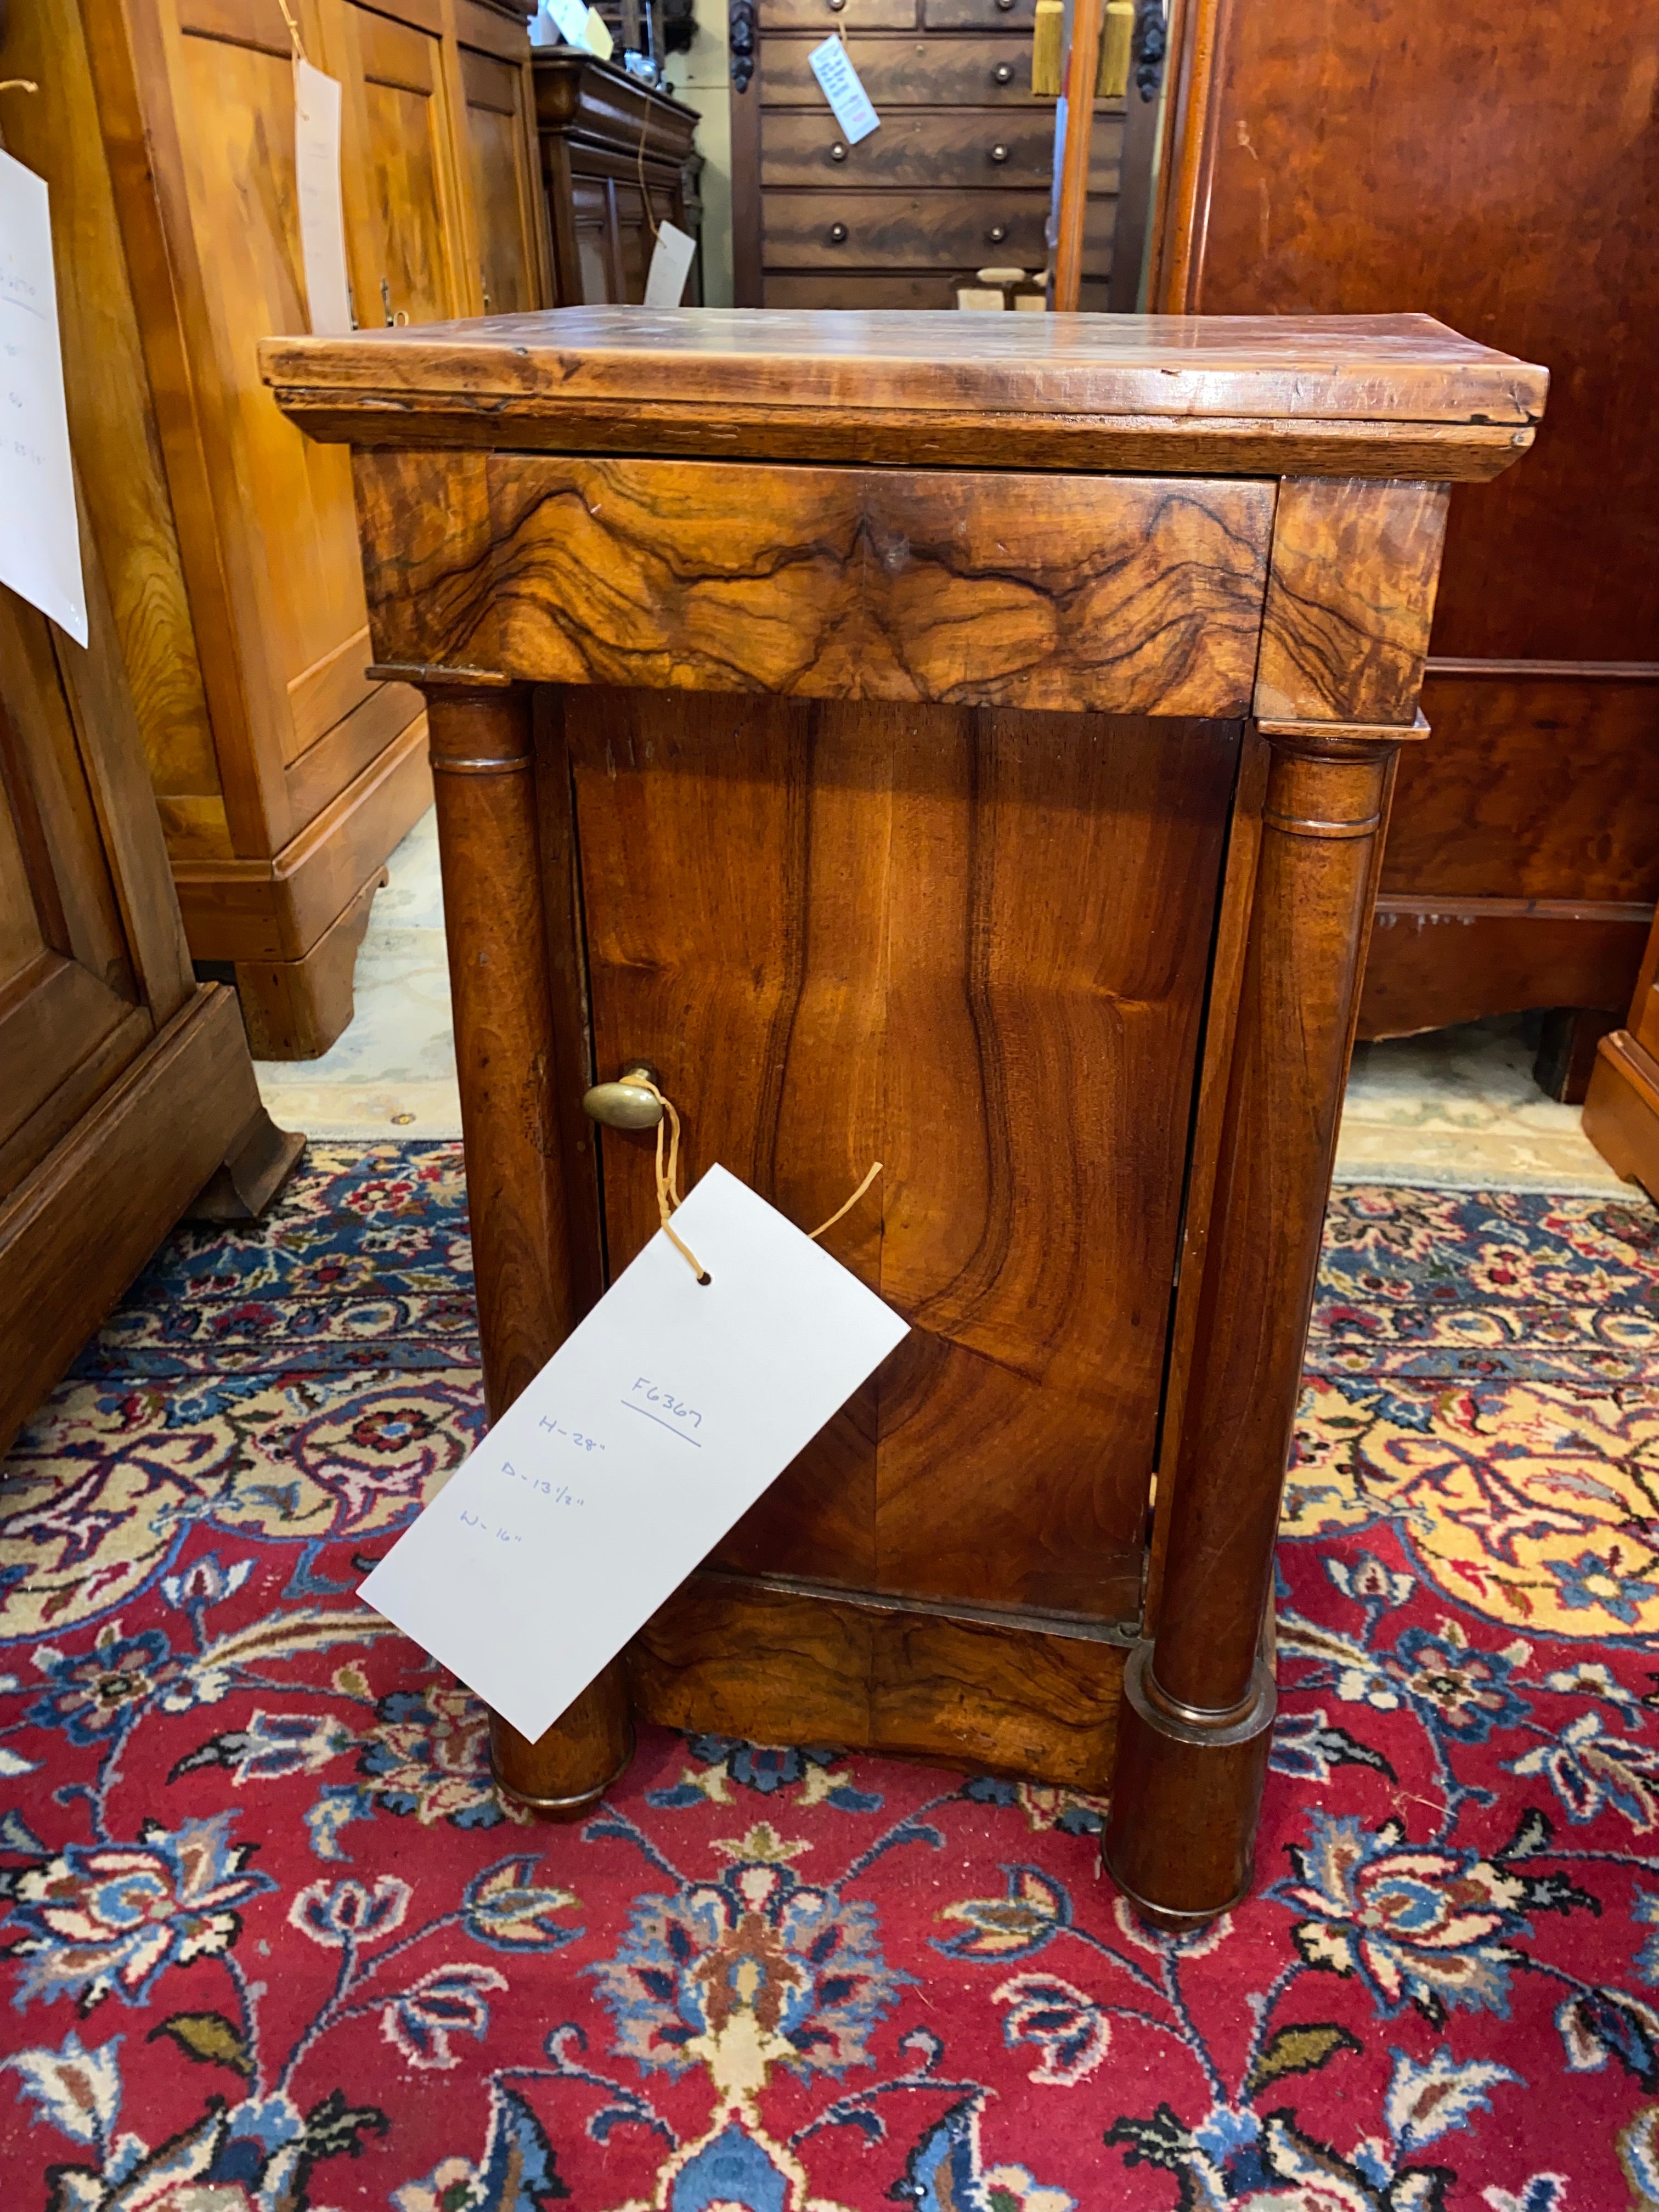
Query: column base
(564, 1773)
(1186, 1790)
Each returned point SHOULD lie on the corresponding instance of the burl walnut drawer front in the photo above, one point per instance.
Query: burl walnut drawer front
(1123, 595)
(899, 72)
(924, 146)
(900, 230)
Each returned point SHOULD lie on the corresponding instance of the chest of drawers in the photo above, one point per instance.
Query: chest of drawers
(957, 176)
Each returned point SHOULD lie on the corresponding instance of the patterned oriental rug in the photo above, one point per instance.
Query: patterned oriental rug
(274, 1944)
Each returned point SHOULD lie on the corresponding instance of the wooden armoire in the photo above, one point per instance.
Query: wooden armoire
(956, 177)
(1493, 166)
(126, 1091)
(165, 129)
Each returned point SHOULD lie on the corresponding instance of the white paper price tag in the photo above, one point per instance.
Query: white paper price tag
(322, 209)
(598, 35)
(40, 535)
(671, 265)
(838, 81)
(576, 25)
(658, 1422)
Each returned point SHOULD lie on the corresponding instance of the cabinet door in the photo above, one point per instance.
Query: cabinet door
(402, 226)
(935, 953)
(590, 216)
(503, 187)
(69, 1015)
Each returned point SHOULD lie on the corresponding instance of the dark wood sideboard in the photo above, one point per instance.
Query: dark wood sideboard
(1482, 162)
(617, 158)
(964, 742)
(956, 177)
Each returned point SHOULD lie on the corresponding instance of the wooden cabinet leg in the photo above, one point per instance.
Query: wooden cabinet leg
(566, 1772)
(490, 853)
(1199, 1701)
(252, 1174)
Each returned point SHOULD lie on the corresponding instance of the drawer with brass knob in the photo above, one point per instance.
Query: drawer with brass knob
(903, 230)
(919, 146)
(986, 71)
(979, 15)
(822, 15)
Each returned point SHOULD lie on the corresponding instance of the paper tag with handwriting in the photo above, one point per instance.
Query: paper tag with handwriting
(658, 1422)
(39, 531)
(322, 209)
(838, 81)
(671, 265)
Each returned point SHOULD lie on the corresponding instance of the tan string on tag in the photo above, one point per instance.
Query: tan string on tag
(668, 1181)
(850, 1203)
(668, 1178)
(293, 31)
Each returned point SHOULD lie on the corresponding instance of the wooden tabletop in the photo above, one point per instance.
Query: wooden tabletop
(786, 384)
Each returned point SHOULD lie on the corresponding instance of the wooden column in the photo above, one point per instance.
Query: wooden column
(1350, 598)
(490, 849)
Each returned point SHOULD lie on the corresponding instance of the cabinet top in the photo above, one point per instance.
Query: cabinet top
(1366, 395)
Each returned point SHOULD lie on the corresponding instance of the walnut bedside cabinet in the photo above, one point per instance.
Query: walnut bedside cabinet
(966, 742)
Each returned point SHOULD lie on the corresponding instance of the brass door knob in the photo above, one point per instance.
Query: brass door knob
(838, 233)
(625, 1104)
(838, 152)
(998, 153)
(1003, 73)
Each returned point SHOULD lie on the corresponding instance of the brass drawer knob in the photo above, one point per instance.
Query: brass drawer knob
(1004, 6)
(836, 6)
(998, 153)
(625, 1104)
(838, 152)
(997, 233)
(838, 233)
(1003, 73)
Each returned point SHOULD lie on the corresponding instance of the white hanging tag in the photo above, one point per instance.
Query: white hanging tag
(322, 207)
(671, 265)
(658, 1422)
(838, 81)
(39, 531)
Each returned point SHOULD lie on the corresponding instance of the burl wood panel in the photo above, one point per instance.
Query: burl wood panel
(1346, 629)
(912, 933)
(802, 1669)
(1354, 167)
(841, 583)
(1550, 783)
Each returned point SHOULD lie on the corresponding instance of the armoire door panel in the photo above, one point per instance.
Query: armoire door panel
(238, 165)
(855, 932)
(495, 132)
(400, 227)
